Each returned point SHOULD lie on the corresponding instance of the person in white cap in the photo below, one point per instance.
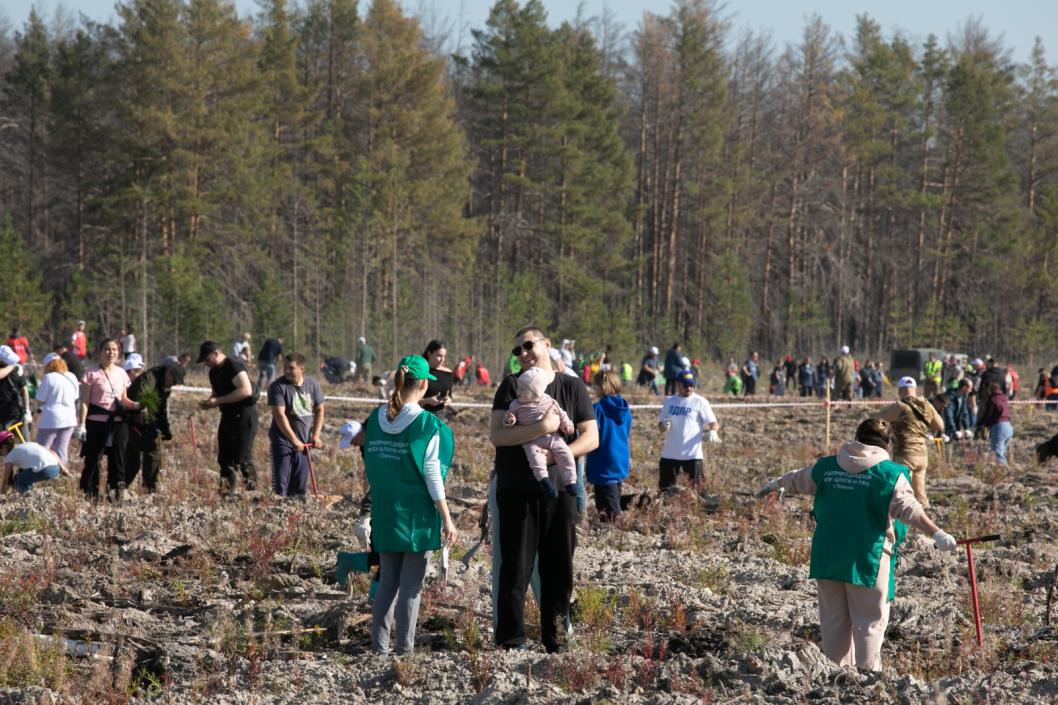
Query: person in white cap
(566, 351)
(365, 358)
(844, 374)
(133, 365)
(79, 342)
(915, 421)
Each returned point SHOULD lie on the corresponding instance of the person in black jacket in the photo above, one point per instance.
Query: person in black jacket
(152, 389)
(235, 396)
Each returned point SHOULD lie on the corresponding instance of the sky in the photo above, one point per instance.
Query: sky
(1019, 21)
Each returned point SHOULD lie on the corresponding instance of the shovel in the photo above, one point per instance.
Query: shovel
(1025, 535)
(312, 473)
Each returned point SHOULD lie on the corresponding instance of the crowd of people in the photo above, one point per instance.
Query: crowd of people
(551, 440)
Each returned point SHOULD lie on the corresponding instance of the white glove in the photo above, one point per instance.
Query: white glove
(362, 531)
(712, 436)
(769, 487)
(82, 434)
(27, 418)
(943, 541)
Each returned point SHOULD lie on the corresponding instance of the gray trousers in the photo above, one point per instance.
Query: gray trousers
(397, 599)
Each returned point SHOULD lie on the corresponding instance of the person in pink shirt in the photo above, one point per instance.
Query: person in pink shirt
(104, 405)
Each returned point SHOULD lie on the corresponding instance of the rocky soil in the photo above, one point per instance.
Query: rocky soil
(179, 598)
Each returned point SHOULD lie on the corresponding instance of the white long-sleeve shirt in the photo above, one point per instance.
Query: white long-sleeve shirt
(854, 458)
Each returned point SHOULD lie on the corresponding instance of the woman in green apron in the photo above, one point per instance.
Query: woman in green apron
(407, 454)
(863, 506)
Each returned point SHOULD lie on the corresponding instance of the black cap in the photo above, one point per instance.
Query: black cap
(176, 371)
(205, 349)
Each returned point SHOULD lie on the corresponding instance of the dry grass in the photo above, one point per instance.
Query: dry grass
(622, 631)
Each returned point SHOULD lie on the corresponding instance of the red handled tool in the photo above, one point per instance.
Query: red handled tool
(973, 577)
(312, 473)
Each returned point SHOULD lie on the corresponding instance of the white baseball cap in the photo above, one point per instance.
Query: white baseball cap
(907, 383)
(8, 356)
(48, 358)
(348, 431)
(844, 349)
(134, 362)
(653, 349)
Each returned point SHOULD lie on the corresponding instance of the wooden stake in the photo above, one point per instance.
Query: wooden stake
(826, 416)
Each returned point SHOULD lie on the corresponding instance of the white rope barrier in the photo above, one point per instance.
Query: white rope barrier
(819, 404)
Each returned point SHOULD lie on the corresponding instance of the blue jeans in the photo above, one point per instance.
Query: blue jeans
(26, 478)
(266, 373)
(999, 436)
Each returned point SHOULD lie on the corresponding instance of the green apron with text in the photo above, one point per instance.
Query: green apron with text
(403, 517)
(852, 513)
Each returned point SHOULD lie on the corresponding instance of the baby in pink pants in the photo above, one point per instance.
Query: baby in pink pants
(532, 405)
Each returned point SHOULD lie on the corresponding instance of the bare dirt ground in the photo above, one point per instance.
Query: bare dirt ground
(178, 598)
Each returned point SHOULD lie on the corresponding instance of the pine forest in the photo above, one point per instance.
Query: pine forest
(325, 170)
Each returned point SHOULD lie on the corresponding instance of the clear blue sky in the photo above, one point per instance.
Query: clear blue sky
(1019, 21)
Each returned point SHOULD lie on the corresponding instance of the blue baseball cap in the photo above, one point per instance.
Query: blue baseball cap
(686, 378)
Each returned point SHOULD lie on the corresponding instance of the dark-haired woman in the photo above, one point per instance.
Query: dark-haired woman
(407, 454)
(104, 401)
(863, 501)
(995, 416)
(439, 389)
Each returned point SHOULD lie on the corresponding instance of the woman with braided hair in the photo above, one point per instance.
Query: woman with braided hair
(407, 454)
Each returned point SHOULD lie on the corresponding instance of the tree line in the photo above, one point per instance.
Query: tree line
(324, 170)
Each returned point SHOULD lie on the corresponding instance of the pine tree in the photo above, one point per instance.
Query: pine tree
(594, 181)
(414, 167)
(26, 305)
(26, 101)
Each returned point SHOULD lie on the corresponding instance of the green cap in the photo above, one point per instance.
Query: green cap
(415, 367)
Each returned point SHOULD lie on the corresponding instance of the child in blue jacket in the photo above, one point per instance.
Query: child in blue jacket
(608, 465)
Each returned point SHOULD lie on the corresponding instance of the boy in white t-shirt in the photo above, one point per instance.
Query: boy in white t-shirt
(687, 418)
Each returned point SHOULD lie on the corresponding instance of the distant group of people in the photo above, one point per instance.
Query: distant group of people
(843, 378)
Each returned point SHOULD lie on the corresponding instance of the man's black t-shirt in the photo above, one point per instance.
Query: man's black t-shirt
(222, 380)
(270, 351)
(512, 467)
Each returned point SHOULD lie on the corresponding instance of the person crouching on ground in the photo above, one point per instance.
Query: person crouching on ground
(686, 418)
(608, 465)
(531, 406)
(407, 454)
(863, 501)
(297, 406)
(26, 464)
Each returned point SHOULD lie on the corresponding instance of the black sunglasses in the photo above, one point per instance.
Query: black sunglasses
(524, 347)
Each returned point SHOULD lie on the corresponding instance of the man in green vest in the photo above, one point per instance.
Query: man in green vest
(931, 373)
(863, 506)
